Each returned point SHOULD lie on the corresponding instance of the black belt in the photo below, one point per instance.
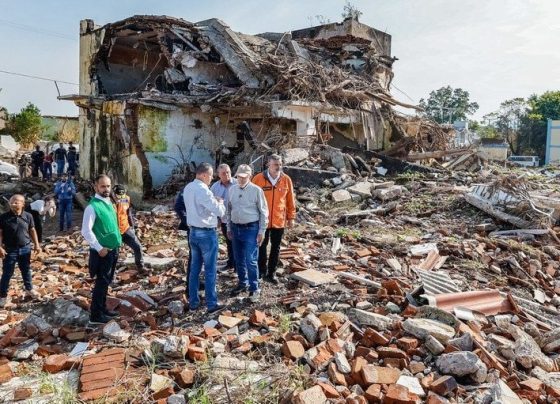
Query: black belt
(202, 228)
(245, 224)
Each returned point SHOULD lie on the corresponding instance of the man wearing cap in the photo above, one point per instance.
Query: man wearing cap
(127, 225)
(220, 189)
(203, 211)
(101, 230)
(247, 217)
(279, 193)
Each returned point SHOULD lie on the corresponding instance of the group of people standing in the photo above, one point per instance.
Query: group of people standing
(42, 162)
(251, 212)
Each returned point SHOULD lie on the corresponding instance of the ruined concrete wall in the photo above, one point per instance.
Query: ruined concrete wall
(182, 135)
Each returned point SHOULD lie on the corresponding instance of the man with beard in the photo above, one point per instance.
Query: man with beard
(101, 230)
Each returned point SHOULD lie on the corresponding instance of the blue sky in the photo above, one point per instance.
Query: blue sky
(495, 49)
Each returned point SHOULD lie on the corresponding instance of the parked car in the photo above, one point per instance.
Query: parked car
(527, 161)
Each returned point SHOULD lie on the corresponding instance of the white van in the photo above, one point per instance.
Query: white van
(527, 161)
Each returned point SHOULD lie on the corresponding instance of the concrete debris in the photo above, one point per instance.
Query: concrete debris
(421, 328)
(114, 332)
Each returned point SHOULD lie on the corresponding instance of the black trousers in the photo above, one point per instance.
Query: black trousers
(130, 239)
(38, 220)
(230, 259)
(103, 270)
(275, 237)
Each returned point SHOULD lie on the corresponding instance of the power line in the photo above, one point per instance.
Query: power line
(38, 77)
(402, 92)
(37, 30)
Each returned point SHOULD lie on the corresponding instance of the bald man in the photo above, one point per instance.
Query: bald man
(17, 232)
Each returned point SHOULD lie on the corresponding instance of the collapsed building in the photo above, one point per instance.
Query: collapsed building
(158, 94)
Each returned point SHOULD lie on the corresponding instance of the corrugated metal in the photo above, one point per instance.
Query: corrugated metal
(436, 283)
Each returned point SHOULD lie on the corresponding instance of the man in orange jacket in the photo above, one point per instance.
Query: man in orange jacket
(127, 224)
(279, 193)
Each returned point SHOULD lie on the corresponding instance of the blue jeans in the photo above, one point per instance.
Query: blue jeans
(59, 167)
(246, 253)
(204, 249)
(21, 256)
(65, 207)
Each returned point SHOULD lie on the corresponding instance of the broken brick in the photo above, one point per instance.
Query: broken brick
(22, 393)
(57, 363)
(329, 390)
(397, 394)
(374, 394)
(197, 354)
(6, 373)
(377, 374)
(293, 349)
(532, 383)
(444, 385)
(372, 338)
(335, 376)
(389, 352)
(407, 343)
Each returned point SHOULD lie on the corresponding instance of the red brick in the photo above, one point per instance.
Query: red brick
(356, 369)
(397, 394)
(257, 318)
(333, 346)
(184, 378)
(112, 303)
(329, 390)
(97, 384)
(112, 374)
(56, 363)
(389, 352)
(7, 338)
(444, 385)
(75, 336)
(293, 349)
(110, 355)
(197, 354)
(374, 394)
(527, 394)
(433, 398)
(532, 384)
(373, 338)
(5, 373)
(102, 366)
(323, 356)
(137, 302)
(163, 393)
(396, 363)
(416, 367)
(378, 374)
(98, 393)
(335, 376)
(406, 343)
(22, 393)
(552, 391)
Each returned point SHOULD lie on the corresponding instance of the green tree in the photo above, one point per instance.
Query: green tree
(25, 126)
(532, 130)
(448, 105)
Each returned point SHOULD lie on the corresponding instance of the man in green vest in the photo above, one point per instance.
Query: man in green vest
(101, 230)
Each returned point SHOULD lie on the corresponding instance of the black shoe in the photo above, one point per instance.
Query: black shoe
(110, 313)
(216, 308)
(271, 278)
(238, 290)
(99, 319)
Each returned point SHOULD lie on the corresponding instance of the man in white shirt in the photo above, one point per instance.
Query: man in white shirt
(100, 229)
(203, 211)
(220, 189)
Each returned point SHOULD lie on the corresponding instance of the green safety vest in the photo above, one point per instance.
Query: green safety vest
(105, 227)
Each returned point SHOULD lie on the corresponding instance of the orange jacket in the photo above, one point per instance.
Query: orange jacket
(279, 198)
(122, 206)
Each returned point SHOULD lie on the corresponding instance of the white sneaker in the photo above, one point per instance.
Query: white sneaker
(254, 296)
(4, 301)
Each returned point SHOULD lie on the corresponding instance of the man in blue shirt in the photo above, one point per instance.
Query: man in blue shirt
(65, 190)
(203, 210)
(220, 190)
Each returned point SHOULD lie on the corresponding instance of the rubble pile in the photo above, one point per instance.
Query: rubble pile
(392, 289)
